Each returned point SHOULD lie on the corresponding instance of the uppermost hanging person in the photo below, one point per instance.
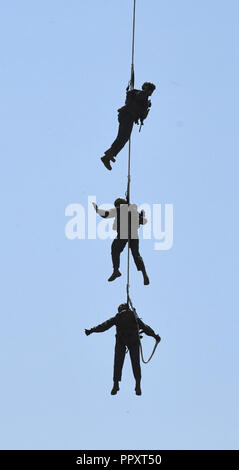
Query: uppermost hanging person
(136, 108)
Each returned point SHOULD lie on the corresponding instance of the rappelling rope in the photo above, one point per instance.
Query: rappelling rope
(132, 55)
(130, 86)
(129, 301)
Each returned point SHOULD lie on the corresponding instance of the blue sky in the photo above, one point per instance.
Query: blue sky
(64, 69)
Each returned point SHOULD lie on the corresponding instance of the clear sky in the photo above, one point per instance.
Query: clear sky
(64, 69)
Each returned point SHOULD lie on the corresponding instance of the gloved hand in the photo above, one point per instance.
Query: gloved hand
(158, 339)
(88, 332)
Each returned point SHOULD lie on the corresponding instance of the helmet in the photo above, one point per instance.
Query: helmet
(148, 86)
(120, 201)
(122, 307)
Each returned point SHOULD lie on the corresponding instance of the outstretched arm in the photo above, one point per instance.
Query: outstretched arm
(102, 327)
(148, 330)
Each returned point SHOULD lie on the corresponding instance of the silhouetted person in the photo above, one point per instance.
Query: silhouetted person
(136, 108)
(127, 336)
(121, 213)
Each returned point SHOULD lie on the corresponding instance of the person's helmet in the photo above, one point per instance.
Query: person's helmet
(122, 307)
(119, 201)
(148, 86)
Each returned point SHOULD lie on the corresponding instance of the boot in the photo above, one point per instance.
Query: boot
(138, 389)
(106, 161)
(115, 274)
(145, 276)
(108, 154)
(115, 388)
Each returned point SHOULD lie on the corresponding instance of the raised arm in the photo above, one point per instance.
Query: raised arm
(105, 214)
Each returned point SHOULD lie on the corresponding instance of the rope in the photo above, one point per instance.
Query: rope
(132, 55)
(129, 301)
(130, 86)
(150, 357)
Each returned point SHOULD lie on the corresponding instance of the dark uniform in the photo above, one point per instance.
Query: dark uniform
(127, 336)
(120, 213)
(136, 108)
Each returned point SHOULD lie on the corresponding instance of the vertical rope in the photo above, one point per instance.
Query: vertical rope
(131, 86)
(129, 301)
(132, 55)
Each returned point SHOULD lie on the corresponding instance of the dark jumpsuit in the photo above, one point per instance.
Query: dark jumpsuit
(136, 107)
(126, 337)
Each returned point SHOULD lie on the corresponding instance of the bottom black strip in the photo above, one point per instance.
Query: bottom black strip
(110, 458)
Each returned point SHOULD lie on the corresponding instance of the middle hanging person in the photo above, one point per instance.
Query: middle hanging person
(127, 220)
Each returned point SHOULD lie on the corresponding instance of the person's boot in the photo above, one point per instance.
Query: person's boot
(106, 161)
(115, 274)
(138, 389)
(115, 388)
(145, 276)
(108, 154)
